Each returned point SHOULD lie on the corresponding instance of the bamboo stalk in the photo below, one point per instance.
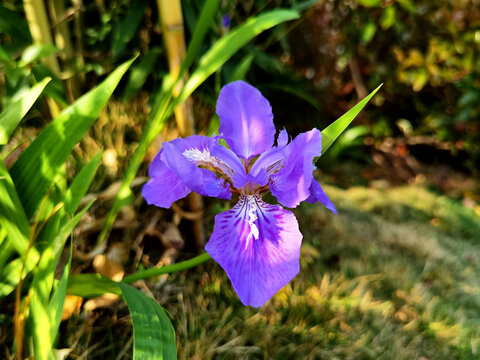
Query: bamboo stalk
(63, 42)
(171, 18)
(40, 29)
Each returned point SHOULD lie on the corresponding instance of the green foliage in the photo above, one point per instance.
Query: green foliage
(37, 176)
(330, 134)
(154, 336)
(13, 114)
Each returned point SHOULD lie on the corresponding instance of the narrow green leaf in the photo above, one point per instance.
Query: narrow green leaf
(227, 46)
(125, 30)
(140, 72)
(55, 307)
(80, 184)
(43, 280)
(154, 336)
(241, 70)
(204, 22)
(12, 216)
(330, 134)
(35, 170)
(91, 285)
(11, 116)
(39, 324)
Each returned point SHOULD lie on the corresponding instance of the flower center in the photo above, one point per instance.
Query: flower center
(204, 158)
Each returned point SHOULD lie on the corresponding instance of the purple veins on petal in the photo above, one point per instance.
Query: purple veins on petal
(258, 246)
(291, 184)
(246, 119)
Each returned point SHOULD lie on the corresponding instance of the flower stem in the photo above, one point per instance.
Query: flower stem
(187, 264)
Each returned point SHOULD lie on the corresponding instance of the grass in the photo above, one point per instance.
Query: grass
(394, 276)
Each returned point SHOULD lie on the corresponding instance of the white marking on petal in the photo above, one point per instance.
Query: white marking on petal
(204, 158)
(252, 217)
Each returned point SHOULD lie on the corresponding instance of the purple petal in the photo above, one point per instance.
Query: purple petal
(230, 165)
(165, 187)
(258, 246)
(282, 139)
(272, 160)
(246, 119)
(317, 194)
(182, 157)
(291, 184)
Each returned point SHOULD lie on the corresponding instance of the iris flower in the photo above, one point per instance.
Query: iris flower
(256, 243)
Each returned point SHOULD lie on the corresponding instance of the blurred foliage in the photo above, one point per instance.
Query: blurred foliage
(426, 52)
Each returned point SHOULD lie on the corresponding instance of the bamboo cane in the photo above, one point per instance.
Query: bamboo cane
(171, 18)
(40, 29)
(63, 42)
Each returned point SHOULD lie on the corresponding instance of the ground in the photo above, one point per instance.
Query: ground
(393, 276)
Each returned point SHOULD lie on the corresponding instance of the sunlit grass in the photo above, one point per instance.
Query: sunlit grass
(379, 281)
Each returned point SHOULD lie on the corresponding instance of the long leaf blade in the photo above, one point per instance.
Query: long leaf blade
(80, 184)
(36, 169)
(203, 24)
(12, 216)
(154, 336)
(13, 114)
(91, 285)
(227, 46)
(333, 131)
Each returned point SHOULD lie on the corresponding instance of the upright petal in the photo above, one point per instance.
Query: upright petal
(291, 184)
(317, 194)
(246, 119)
(165, 186)
(258, 246)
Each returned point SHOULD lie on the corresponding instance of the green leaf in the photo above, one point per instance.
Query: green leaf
(80, 184)
(227, 46)
(5, 56)
(204, 22)
(11, 116)
(139, 73)
(55, 307)
(36, 52)
(37, 167)
(91, 285)
(154, 336)
(44, 276)
(12, 216)
(125, 30)
(368, 32)
(330, 134)
(10, 274)
(241, 70)
(39, 324)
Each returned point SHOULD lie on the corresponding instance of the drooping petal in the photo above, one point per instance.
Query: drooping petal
(202, 181)
(258, 246)
(246, 119)
(291, 184)
(165, 186)
(317, 194)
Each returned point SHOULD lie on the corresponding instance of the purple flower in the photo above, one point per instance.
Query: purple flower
(226, 20)
(257, 244)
